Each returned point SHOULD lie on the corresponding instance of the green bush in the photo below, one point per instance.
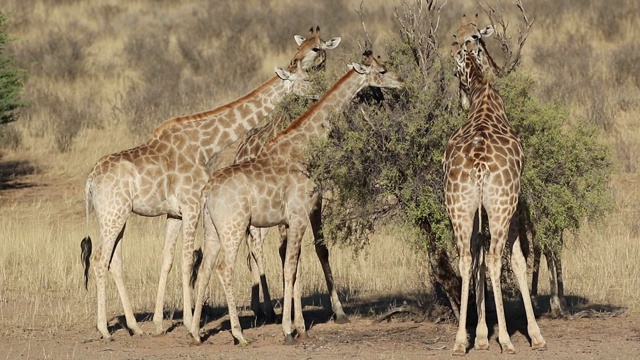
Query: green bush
(11, 78)
(383, 161)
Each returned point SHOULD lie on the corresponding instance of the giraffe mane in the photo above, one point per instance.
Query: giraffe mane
(209, 113)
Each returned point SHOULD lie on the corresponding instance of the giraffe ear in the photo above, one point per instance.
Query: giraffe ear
(360, 69)
(282, 73)
(333, 43)
(487, 31)
(299, 39)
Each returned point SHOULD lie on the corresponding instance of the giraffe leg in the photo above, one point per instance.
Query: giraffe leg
(519, 266)
(463, 227)
(109, 235)
(297, 226)
(225, 269)
(116, 271)
(255, 241)
(323, 255)
(170, 240)
(555, 281)
(100, 270)
(252, 244)
(481, 341)
(499, 232)
(298, 319)
(270, 314)
(189, 222)
(535, 276)
(211, 248)
(561, 298)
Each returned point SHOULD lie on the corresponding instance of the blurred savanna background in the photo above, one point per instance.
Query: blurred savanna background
(101, 75)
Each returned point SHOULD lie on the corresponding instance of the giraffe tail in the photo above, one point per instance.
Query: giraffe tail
(85, 244)
(481, 172)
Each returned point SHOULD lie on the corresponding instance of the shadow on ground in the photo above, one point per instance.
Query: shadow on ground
(318, 311)
(12, 174)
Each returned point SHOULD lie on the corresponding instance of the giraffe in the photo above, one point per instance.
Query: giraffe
(272, 189)
(469, 30)
(250, 147)
(482, 164)
(165, 175)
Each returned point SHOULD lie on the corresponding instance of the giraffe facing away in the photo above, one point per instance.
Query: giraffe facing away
(469, 30)
(482, 164)
(165, 175)
(272, 189)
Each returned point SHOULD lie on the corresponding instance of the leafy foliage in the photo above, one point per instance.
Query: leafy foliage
(11, 78)
(567, 168)
(383, 160)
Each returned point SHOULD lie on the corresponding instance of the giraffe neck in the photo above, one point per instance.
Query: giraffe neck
(203, 135)
(483, 97)
(314, 122)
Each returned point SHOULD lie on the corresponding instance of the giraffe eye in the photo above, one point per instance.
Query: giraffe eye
(475, 37)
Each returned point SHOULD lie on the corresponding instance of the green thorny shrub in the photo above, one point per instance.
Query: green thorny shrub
(11, 80)
(383, 161)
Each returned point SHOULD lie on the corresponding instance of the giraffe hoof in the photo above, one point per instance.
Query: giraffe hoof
(481, 345)
(541, 346)
(342, 319)
(289, 340)
(158, 333)
(508, 349)
(195, 340)
(459, 349)
(107, 339)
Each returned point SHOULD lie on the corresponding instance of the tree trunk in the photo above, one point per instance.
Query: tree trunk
(444, 279)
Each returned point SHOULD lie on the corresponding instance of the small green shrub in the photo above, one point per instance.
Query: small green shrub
(11, 78)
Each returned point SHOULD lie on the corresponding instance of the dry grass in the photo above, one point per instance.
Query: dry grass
(102, 75)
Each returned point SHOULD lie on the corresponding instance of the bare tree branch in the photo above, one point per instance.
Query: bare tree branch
(368, 44)
(511, 58)
(418, 24)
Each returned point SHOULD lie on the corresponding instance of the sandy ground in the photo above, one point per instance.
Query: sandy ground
(579, 338)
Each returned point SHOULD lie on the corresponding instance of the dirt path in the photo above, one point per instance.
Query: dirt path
(592, 338)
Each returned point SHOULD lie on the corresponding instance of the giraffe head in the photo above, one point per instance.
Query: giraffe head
(312, 51)
(295, 79)
(469, 31)
(376, 72)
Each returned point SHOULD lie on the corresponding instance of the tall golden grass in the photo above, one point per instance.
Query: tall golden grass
(90, 90)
